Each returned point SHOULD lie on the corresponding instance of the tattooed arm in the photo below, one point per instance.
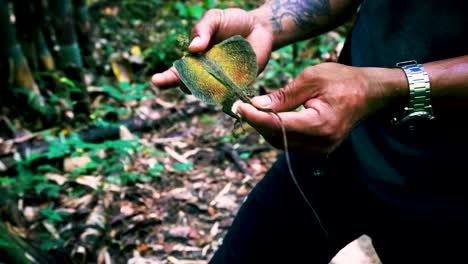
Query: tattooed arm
(274, 24)
(293, 20)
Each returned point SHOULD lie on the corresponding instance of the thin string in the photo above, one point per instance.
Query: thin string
(291, 172)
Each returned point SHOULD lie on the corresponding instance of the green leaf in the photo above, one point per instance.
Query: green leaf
(4, 243)
(196, 11)
(181, 9)
(125, 86)
(114, 168)
(57, 149)
(156, 170)
(67, 81)
(46, 168)
(139, 87)
(33, 156)
(51, 244)
(182, 166)
(51, 190)
(209, 4)
(91, 165)
(51, 215)
(158, 153)
(114, 179)
(112, 91)
(7, 181)
(244, 155)
(229, 138)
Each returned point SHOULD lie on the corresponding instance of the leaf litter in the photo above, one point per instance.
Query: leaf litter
(190, 176)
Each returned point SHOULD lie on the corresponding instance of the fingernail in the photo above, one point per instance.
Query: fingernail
(236, 107)
(262, 101)
(156, 77)
(195, 42)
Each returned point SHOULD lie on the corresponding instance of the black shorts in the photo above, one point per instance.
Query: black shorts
(275, 225)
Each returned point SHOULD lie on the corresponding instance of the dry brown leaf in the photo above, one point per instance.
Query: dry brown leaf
(138, 259)
(3, 167)
(179, 232)
(223, 192)
(122, 69)
(227, 201)
(211, 211)
(191, 152)
(73, 163)
(57, 178)
(82, 202)
(242, 191)
(51, 229)
(104, 256)
(184, 194)
(30, 213)
(163, 103)
(174, 260)
(96, 182)
(173, 154)
(95, 223)
(214, 229)
(127, 208)
(142, 247)
(125, 133)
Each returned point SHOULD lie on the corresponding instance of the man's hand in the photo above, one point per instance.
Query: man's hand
(335, 98)
(217, 25)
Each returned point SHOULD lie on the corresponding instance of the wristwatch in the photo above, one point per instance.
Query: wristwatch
(418, 112)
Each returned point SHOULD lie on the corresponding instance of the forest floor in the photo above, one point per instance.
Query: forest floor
(165, 194)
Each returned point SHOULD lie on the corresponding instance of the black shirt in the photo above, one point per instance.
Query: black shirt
(421, 170)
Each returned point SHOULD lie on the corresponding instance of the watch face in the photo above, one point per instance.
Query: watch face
(416, 121)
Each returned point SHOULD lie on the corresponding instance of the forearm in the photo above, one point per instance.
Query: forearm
(449, 87)
(294, 20)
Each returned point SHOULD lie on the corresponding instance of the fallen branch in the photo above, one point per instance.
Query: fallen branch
(230, 152)
(100, 134)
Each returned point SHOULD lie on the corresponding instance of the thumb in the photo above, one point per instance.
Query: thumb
(285, 99)
(204, 30)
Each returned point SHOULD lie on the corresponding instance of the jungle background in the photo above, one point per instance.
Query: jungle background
(99, 166)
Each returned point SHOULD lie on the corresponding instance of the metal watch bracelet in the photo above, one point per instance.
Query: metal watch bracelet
(419, 90)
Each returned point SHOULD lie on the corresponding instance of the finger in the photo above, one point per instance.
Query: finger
(304, 121)
(288, 98)
(300, 127)
(258, 119)
(204, 30)
(169, 77)
(261, 48)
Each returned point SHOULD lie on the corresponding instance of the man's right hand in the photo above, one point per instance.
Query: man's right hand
(217, 25)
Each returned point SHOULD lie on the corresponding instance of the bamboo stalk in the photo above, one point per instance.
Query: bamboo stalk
(69, 55)
(22, 75)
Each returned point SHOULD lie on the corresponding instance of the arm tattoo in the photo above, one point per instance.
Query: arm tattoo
(304, 13)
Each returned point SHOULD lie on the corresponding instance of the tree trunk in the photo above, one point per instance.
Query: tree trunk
(4, 59)
(69, 56)
(83, 30)
(27, 24)
(17, 63)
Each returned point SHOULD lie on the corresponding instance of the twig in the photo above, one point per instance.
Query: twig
(234, 155)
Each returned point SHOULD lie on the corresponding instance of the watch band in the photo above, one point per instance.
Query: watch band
(419, 87)
(419, 90)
